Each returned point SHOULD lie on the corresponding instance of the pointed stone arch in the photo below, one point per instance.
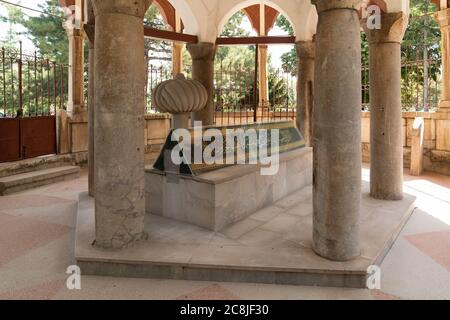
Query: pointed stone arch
(251, 8)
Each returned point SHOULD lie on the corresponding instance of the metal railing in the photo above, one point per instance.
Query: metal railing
(420, 86)
(30, 85)
(233, 93)
(234, 96)
(155, 75)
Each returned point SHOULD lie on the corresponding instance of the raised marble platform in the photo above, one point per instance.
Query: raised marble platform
(271, 246)
(217, 199)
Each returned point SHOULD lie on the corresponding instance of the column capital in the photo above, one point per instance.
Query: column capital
(443, 17)
(393, 27)
(202, 50)
(178, 44)
(89, 29)
(325, 5)
(305, 49)
(74, 32)
(136, 8)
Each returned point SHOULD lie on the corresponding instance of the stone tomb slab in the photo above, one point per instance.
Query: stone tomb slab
(253, 140)
(272, 246)
(217, 199)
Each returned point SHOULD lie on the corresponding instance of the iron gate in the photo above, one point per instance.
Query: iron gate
(236, 95)
(23, 138)
(32, 88)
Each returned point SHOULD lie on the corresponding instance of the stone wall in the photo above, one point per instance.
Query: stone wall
(236, 118)
(42, 163)
(157, 127)
(436, 139)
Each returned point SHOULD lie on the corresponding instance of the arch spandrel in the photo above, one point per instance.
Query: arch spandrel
(206, 18)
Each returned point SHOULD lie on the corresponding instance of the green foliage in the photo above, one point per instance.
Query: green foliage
(422, 44)
(289, 62)
(364, 49)
(284, 24)
(10, 40)
(156, 50)
(39, 90)
(288, 59)
(45, 30)
(234, 67)
(235, 73)
(282, 93)
(234, 27)
(421, 58)
(234, 88)
(226, 54)
(41, 85)
(423, 31)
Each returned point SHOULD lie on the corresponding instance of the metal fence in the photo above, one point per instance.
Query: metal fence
(420, 74)
(420, 81)
(30, 85)
(156, 74)
(233, 93)
(235, 100)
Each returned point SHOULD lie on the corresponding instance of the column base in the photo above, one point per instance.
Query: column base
(335, 251)
(117, 245)
(386, 196)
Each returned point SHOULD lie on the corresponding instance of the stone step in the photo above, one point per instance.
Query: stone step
(29, 180)
(40, 163)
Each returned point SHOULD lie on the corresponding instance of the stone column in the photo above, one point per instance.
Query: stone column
(77, 126)
(90, 32)
(305, 88)
(177, 58)
(119, 72)
(75, 104)
(263, 80)
(337, 130)
(386, 134)
(203, 54)
(443, 18)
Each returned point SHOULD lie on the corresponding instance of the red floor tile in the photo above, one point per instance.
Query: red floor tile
(42, 291)
(19, 236)
(213, 292)
(434, 244)
(28, 201)
(380, 295)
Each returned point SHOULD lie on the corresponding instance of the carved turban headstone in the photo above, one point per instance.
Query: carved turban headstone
(180, 97)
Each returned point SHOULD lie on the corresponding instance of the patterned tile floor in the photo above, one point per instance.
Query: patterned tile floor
(37, 239)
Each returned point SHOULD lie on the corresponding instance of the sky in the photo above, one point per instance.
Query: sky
(275, 50)
(5, 27)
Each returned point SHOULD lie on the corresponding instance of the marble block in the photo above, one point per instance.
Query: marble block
(217, 199)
